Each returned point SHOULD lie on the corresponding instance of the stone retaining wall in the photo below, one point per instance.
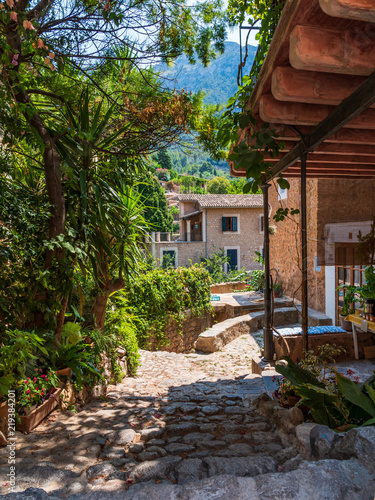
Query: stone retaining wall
(70, 395)
(228, 287)
(222, 333)
(182, 337)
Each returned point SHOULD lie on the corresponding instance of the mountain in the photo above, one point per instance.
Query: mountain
(218, 80)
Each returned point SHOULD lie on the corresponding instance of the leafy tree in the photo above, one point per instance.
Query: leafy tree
(156, 211)
(205, 168)
(164, 159)
(53, 51)
(265, 15)
(219, 185)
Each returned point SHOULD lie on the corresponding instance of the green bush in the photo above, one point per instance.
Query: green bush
(156, 295)
(121, 324)
(214, 264)
(19, 350)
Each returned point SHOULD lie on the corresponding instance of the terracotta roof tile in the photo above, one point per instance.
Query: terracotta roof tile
(224, 200)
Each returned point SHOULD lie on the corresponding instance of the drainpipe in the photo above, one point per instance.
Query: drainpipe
(267, 331)
(205, 223)
(153, 249)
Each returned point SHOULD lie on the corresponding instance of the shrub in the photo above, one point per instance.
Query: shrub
(155, 296)
(214, 264)
(121, 324)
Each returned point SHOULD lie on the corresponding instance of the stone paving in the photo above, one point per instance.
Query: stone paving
(185, 417)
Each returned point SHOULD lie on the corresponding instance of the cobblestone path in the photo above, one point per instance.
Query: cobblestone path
(185, 417)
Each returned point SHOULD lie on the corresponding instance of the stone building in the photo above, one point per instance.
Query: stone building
(212, 221)
(337, 210)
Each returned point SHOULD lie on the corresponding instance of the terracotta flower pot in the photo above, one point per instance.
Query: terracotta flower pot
(4, 409)
(64, 372)
(292, 400)
(28, 422)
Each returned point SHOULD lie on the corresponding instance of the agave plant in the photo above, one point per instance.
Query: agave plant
(348, 403)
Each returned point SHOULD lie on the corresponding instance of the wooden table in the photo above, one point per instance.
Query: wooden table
(362, 324)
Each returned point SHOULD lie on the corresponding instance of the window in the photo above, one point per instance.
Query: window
(229, 224)
(347, 272)
(169, 258)
(232, 259)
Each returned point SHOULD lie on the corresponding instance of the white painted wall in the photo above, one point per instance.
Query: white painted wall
(330, 279)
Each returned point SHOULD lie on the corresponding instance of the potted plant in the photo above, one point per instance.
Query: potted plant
(367, 291)
(37, 397)
(348, 305)
(285, 393)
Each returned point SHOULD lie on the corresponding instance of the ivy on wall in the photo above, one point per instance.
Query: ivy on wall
(158, 295)
(264, 15)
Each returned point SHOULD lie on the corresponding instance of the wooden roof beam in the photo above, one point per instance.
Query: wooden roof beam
(343, 136)
(358, 150)
(331, 51)
(327, 175)
(317, 173)
(271, 110)
(311, 164)
(316, 157)
(348, 110)
(352, 170)
(289, 84)
(361, 10)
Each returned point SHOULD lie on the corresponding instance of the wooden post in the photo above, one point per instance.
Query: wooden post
(305, 314)
(267, 331)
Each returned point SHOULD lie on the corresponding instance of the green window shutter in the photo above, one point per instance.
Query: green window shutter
(234, 224)
(224, 223)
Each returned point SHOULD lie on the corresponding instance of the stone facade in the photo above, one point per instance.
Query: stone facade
(328, 201)
(246, 240)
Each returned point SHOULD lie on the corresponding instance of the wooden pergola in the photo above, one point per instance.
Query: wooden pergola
(316, 89)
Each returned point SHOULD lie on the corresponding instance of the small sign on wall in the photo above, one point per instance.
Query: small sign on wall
(318, 268)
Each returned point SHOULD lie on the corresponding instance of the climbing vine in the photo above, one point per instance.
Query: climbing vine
(155, 296)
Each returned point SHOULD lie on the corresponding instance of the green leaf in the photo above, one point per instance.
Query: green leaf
(371, 392)
(283, 183)
(298, 375)
(369, 422)
(352, 392)
(247, 188)
(244, 120)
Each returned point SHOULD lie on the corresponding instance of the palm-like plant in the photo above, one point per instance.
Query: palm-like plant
(105, 212)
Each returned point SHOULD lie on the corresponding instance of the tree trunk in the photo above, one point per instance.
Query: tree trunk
(99, 306)
(52, 166)
(98, 310)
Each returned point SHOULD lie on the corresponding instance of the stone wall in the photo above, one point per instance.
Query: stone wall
(285, 244)
(248, 239)
(187, 252)
(182, 337)
(328, 201)
(228, 287)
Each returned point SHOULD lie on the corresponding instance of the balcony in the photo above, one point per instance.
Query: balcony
(176, 237)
